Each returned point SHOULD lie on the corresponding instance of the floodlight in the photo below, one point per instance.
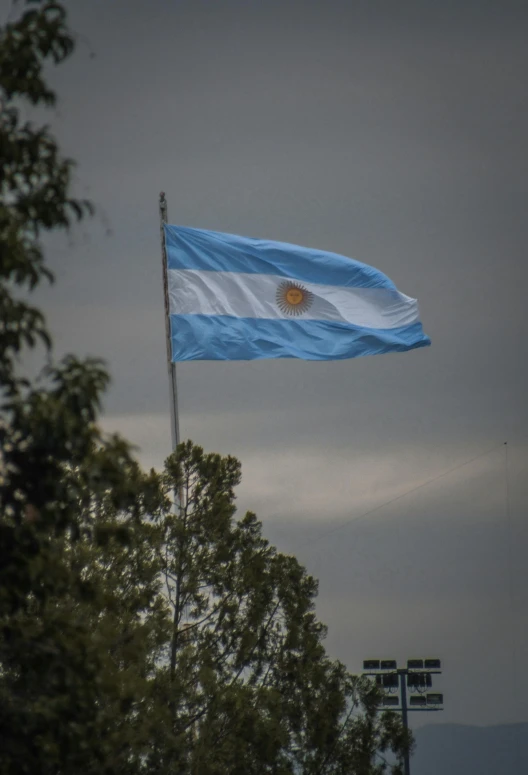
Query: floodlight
(419, 680)
(415, 664)
(435, 699)
(388, 664)
(388, 700)
(417, 699)
(390, 680)
(371, 664)
(432, 664)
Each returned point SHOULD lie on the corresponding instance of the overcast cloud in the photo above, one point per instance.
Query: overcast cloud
(395, 133)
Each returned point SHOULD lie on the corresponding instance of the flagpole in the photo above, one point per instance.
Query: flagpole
(171, 367)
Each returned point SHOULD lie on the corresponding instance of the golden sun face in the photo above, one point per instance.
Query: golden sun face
(293, 298)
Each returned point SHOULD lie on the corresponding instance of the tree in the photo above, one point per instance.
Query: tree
(142, 627)
(214, 656)
(50, 666)
(247, 679)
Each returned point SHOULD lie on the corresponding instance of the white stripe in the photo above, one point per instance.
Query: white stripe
(194, 292)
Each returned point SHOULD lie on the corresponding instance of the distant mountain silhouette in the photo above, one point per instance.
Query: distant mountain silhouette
(455, 749)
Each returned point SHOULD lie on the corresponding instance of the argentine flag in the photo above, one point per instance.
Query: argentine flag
(238, 298)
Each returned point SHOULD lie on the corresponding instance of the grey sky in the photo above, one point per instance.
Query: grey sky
(395, 133)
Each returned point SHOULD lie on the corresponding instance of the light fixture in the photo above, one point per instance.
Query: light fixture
(390, 680)
(435, 699)
(432, 664)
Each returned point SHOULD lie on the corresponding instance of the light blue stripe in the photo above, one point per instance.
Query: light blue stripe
(217, 252)
(211, 337)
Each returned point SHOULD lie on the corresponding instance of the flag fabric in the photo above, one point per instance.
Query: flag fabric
(239, 298)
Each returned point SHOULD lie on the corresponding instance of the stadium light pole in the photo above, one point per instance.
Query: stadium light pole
(418, 675)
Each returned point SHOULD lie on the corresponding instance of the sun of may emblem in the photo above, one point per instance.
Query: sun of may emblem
(293, 299)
